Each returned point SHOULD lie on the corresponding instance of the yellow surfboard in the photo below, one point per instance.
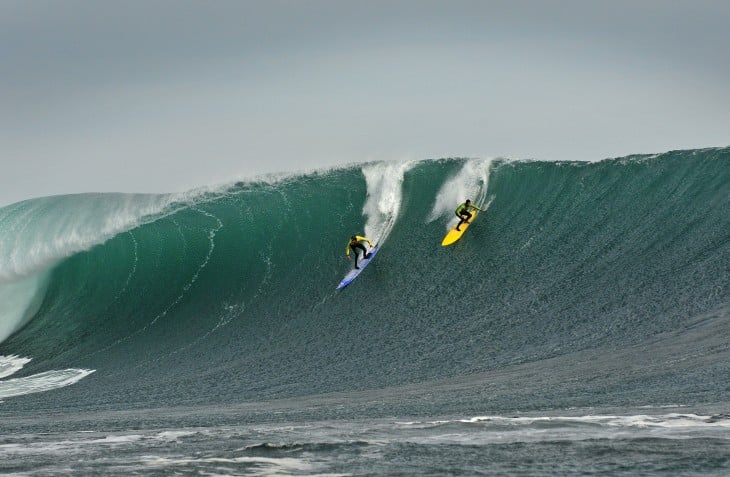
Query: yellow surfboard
(454, 234)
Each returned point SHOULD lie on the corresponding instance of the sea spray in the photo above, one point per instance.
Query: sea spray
(470, 182)
(384, 186)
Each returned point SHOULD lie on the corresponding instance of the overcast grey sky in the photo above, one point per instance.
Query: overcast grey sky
(163, 95)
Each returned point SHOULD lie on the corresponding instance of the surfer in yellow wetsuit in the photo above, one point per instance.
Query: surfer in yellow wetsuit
(354, 243)
(463, 212)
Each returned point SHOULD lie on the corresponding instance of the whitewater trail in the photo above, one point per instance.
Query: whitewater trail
(471, 182)
(385, 195)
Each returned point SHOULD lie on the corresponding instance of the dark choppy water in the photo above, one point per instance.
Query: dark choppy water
(656, 442)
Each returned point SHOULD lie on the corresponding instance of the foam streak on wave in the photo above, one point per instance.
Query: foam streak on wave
(36, 383)
(384, 184)
(11, 365)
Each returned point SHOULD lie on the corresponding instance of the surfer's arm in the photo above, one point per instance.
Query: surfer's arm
(359, 238)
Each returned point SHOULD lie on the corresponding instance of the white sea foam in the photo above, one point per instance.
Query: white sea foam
(256, 465)
(384, 185)
(11, 364)
(174, 435)
(664, 421)
(72, 445)
(41, 382)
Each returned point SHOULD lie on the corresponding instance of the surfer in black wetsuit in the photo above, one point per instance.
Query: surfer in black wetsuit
(354, 243)
(464, 214)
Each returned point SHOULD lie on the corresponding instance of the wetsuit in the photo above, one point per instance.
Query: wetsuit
(463, 213)
(355, 244)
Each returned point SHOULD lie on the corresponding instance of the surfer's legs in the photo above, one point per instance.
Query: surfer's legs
(361, 247)
(464, 217)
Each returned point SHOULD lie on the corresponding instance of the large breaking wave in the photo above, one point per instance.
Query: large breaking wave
(229, 295)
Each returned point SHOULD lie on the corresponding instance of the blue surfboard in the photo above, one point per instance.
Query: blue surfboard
(355, 272)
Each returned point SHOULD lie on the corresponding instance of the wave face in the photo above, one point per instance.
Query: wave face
(229, 296)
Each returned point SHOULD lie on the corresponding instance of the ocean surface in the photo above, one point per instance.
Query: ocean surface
(581, 326)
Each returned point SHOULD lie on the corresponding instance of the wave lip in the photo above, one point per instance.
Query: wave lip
(35, 234)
